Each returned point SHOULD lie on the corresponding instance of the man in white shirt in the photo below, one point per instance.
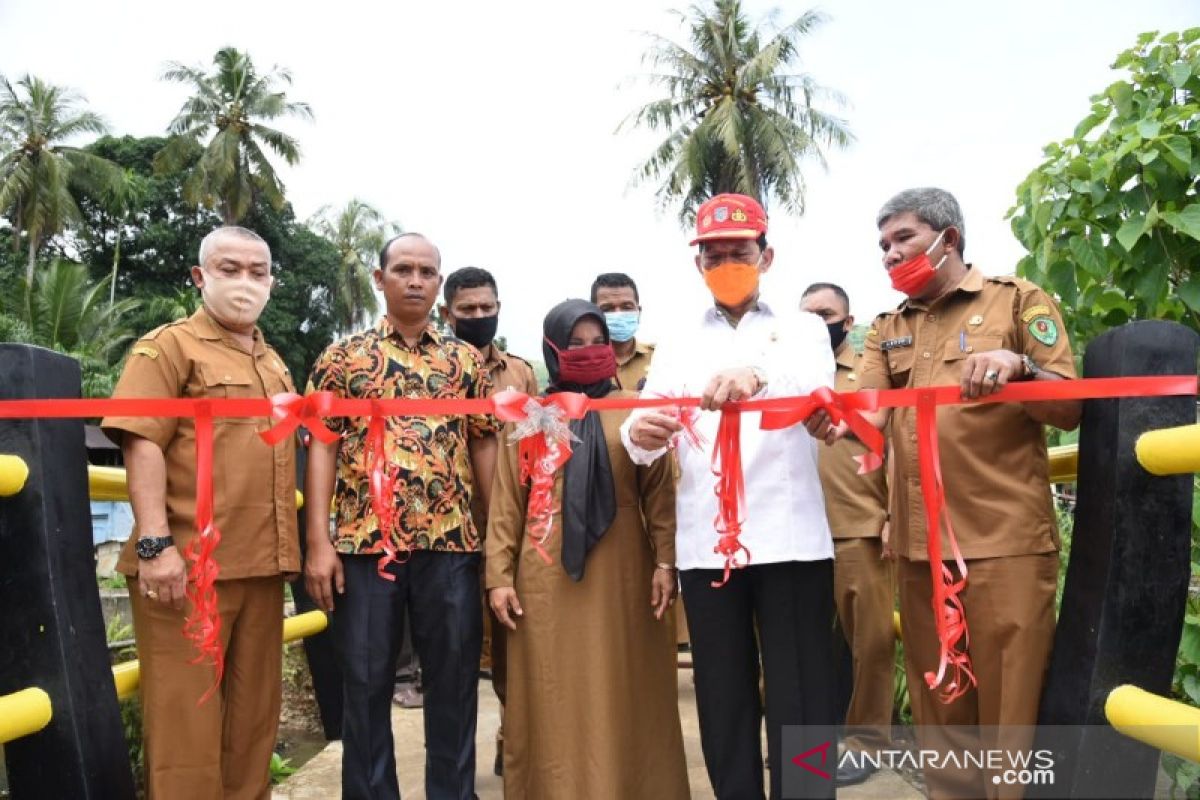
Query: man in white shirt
(780, 606)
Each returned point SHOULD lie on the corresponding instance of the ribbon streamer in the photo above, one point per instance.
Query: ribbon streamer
(544, 439)
(202, 626)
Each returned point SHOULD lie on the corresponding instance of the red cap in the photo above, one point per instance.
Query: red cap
(730, 216)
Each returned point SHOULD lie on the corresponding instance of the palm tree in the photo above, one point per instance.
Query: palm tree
(736, 119)
(358, 231)
(63, 310)
(40, 176)
(232, 103)
(120, 202)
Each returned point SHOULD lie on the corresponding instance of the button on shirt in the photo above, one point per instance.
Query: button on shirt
(784, 513)
(254, 484)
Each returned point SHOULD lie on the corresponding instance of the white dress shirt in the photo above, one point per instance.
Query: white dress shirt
(784, 515)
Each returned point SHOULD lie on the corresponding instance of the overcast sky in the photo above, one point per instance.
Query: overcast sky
(490, 127)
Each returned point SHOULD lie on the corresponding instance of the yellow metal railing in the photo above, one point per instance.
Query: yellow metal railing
(108, 483)
(1064, 463)
(23, 713)
(13, 474)
(1170, 451)
(1157, 721)
(127, 675)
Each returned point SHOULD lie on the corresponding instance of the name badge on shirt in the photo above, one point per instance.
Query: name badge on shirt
(892, 344)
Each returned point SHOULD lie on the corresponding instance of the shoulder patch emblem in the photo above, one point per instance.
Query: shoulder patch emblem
(1035, 311)
(872, 332)
(143, 350)
(1044, 330)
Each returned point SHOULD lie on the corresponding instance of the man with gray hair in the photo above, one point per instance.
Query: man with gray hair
(220, 748)
(979, 332)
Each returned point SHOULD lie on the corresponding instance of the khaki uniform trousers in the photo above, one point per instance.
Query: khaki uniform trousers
(222, 748)
(864, 588)
(1009, 604)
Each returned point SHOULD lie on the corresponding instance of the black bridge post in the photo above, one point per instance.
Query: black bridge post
(51, 629)
(1126, 588)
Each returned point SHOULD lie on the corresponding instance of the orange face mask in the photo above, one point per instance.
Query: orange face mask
(732, 283)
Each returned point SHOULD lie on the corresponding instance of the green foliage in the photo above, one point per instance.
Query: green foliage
(232, 103)
(281, 768)
(131, 722)
(1111, 218)
(737, 118)
(64, 311)
(41, 177)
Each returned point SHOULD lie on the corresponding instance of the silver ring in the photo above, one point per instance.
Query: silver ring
(153, 595)
(991, 375)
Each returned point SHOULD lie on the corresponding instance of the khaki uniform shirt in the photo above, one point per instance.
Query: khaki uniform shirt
(632, 373)
(254, 484)
(993, 455)
(507, 371)
(856, 505)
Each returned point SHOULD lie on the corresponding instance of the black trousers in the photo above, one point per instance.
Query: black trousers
(784, 613)
(440, 592)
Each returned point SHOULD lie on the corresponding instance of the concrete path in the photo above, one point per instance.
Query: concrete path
(320, 778)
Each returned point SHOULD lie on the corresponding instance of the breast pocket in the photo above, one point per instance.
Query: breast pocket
(900, 364)
(959, 349)
(227, 383)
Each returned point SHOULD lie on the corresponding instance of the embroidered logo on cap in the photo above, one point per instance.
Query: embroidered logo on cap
(739, 216)
(721, 214)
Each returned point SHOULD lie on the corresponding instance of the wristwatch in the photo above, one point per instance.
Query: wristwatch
(151, 547)
(1031, 367)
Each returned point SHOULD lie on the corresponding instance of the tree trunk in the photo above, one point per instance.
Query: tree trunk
(33, 237)
(112, 286)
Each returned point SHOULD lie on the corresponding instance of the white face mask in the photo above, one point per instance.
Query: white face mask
(235, 302)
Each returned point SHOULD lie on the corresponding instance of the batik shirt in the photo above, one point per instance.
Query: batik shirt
(428, 455)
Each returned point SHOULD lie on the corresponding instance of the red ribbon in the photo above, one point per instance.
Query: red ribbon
(731, 493)
(949, 617)
(292, 410)
(202, 626)
(540, 457)
(846, 408)
(382, 476)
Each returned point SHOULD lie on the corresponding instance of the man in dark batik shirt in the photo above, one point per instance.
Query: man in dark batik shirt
(430, 545)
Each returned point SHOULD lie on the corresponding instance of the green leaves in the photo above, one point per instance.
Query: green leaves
(1111, 218)
(1090, 255)
(1186, 222)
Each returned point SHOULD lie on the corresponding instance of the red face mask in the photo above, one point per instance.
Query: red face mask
(912, 276)
(585, 365)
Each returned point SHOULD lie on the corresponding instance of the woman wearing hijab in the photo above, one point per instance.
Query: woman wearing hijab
(592, 698)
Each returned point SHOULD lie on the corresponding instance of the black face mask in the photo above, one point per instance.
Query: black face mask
(837, 333)
(478, 331)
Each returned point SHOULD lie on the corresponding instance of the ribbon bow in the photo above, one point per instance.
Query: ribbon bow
(842, 407)
(291, 410)
(544, 438)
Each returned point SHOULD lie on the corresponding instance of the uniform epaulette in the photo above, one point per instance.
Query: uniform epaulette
(524, 361)
(154, 334)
